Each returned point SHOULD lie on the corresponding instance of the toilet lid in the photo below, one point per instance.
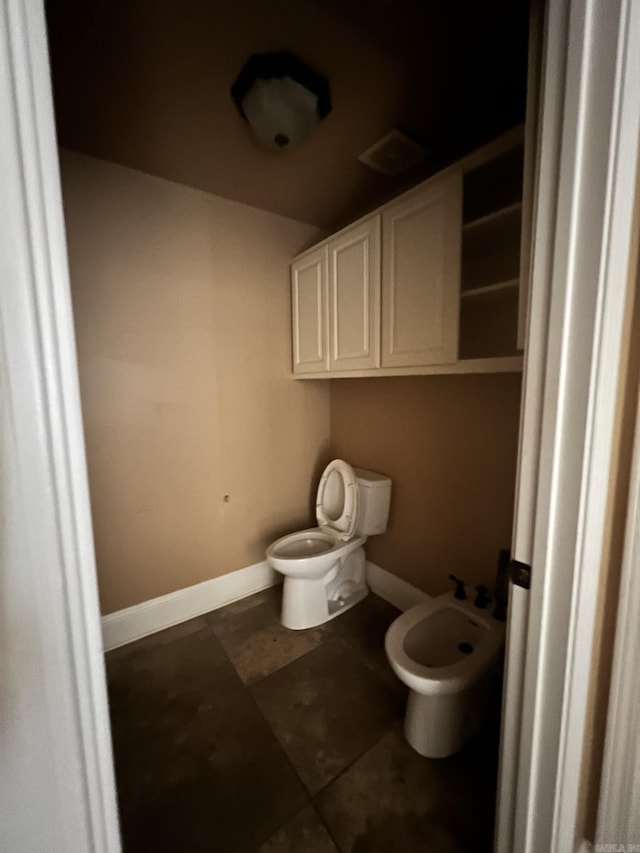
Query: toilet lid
(337, 499)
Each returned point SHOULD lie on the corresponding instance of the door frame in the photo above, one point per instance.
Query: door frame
(589, 124)
(56, 773)
(62, 764)
(619, 795)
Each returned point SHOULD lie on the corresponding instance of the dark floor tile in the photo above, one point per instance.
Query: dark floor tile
(305, 833)
(394, 799)
(267, 650)
(268, 599)
(326, 709)
(197, 767)
(364, 628)
(254, 638)
(160, 638)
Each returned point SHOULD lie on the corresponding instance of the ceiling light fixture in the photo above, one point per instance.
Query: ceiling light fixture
(281, 97)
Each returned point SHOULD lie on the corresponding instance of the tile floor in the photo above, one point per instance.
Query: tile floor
(233, 734)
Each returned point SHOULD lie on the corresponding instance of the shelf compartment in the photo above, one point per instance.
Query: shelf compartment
(491, 249)
(494, 185)
(488, 327)
(491, 220)
(490, 291)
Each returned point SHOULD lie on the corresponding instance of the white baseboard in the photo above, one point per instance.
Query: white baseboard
(135, 622)
(393, 589)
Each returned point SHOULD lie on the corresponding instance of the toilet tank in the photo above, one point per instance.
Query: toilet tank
(374, 497)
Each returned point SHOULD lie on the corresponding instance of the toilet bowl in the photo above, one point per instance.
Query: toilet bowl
(446, 651)
(324, 567)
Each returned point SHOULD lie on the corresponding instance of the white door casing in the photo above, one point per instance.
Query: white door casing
(56, 777)
(619, 800)
(588, 144)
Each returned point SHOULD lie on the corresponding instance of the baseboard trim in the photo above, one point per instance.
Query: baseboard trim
(393, 589)
(133, 623)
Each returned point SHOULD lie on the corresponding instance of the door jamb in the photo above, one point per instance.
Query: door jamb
(595, 105)
(56, 773)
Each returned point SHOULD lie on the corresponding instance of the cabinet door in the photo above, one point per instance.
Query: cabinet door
(354, 297)
(309, 312)
(421, 275)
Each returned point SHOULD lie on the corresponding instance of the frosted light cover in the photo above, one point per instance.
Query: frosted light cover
(281, 112)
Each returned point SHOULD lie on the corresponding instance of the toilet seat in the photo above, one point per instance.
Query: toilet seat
(337, 499)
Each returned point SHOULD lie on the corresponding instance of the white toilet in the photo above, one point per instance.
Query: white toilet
(324, 566)
(447, 652)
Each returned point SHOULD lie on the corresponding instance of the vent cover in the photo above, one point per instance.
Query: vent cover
(393, 154)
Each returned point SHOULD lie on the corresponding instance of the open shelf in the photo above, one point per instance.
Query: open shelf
(489, 291)
(491, 249)
(490, 219)
(488, 326)
(494, 185)
(490, 260)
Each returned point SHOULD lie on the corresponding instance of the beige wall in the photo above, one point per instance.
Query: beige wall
(181, 303)
(450, 445)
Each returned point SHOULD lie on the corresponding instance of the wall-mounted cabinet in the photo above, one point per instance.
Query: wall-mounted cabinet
(429, 283)
(354, 297)
(421, 272)
(335, 302)
(310, 312)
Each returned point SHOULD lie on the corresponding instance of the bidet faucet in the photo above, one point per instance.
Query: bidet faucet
(460, 590)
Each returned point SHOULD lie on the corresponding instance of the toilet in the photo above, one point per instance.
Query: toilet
(324, 566)
(447, 651)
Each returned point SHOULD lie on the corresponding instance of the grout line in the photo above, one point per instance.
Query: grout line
(247, 689)
(310, 798)
(307, 795)
(282, 825)
(318, 814)
(371, 746)
(207, 630)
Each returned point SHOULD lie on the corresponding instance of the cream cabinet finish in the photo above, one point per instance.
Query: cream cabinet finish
(421, 237)
(354, 297)
(309, 311)
(403, 265)
(382, 297)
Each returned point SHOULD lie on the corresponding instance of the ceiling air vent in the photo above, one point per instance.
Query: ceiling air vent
(393, 154)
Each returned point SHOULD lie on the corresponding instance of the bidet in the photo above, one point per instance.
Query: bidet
(446, 651)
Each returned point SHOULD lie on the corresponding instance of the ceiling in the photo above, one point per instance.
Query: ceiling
(145, 83)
